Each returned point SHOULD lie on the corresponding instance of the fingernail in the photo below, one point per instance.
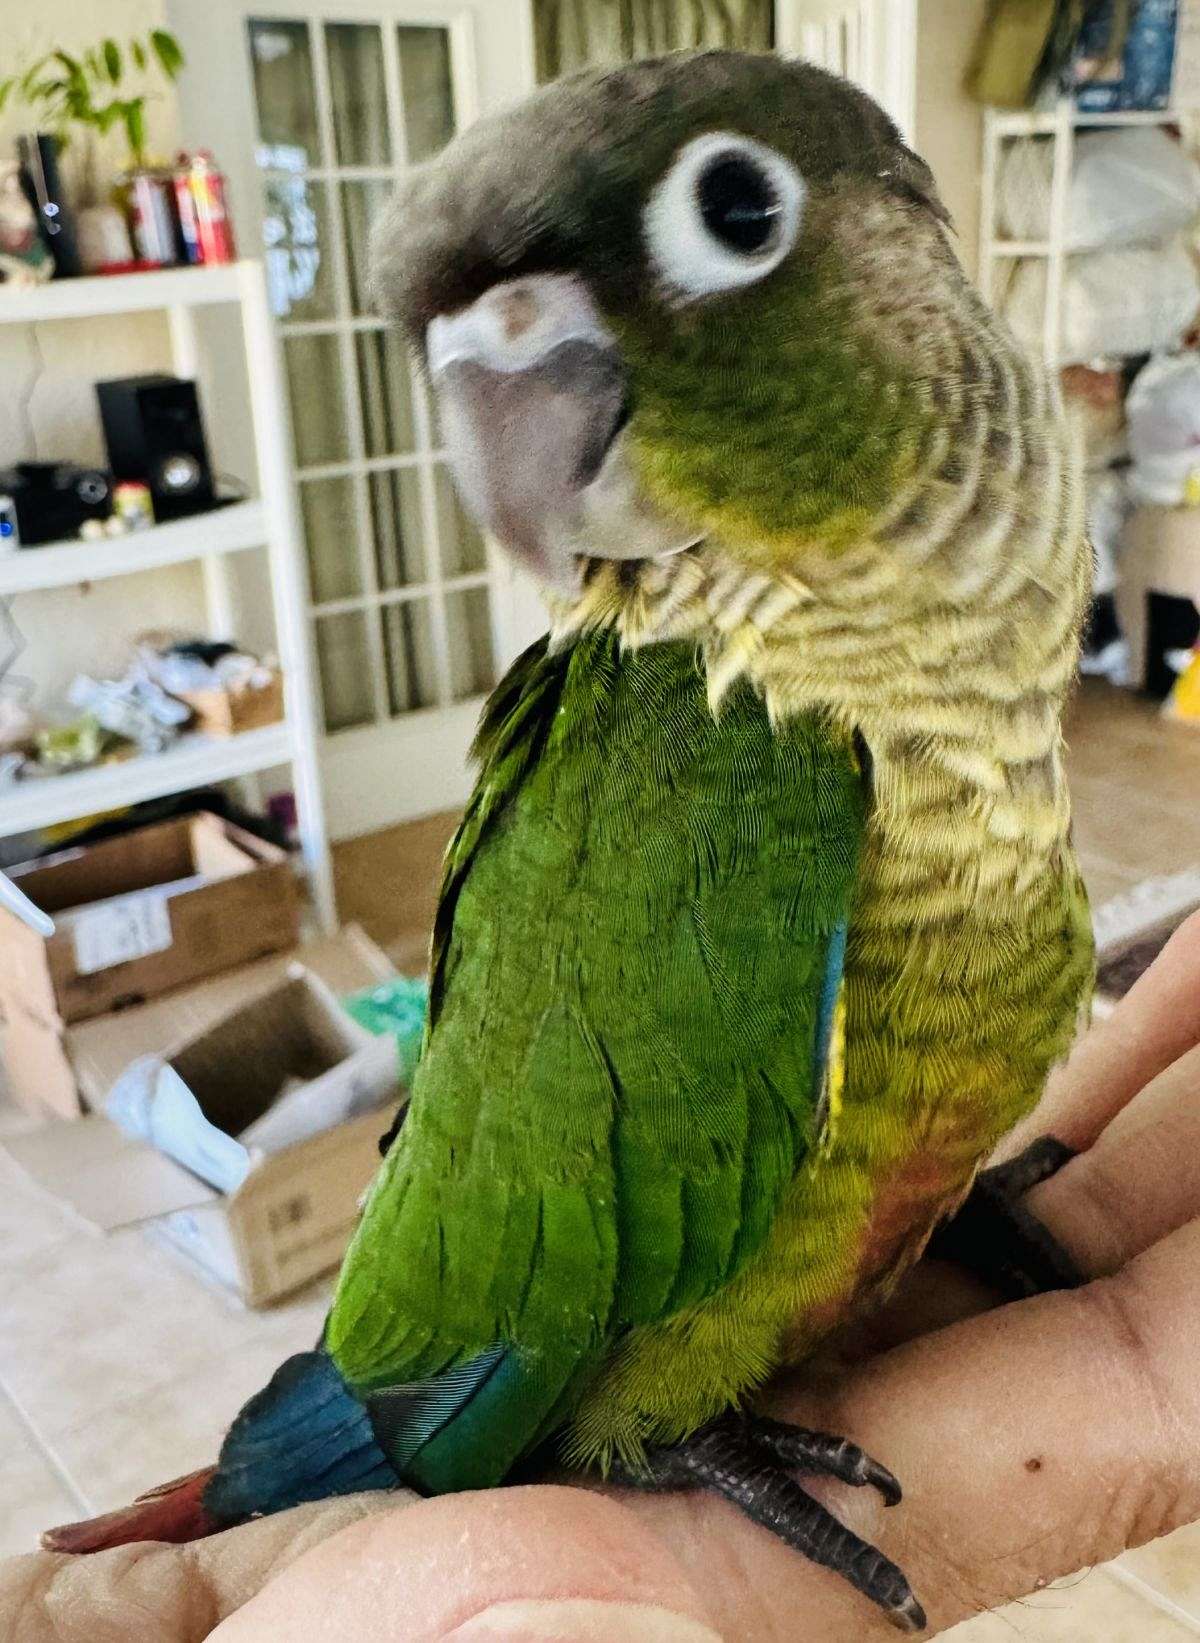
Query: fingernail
(580, 1620)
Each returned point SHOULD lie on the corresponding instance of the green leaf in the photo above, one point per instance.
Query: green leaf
(6, 87)
(112, 60)
(135, 127)
(167, 49)
(74, 69)
(31, 74)
(138, 52)
(94, 66)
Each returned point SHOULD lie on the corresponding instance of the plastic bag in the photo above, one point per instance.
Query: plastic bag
(1126, 187)
(1142, 300)
(398, 1006)
(1107, 510)
(1163, 416)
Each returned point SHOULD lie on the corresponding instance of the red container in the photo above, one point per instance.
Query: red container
(152, 218)
(200, 199)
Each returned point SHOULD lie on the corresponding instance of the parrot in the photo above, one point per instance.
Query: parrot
(762, 925)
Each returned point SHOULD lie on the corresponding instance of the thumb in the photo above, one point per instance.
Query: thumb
(154, 1593)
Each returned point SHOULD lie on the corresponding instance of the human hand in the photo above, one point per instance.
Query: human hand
(1031, 1440)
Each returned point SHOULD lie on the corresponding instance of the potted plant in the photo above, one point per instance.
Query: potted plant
(92, 93)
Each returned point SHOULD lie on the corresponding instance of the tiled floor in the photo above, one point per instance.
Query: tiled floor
(119, 1369)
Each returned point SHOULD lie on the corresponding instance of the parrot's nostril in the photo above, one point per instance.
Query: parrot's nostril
(516, 325)
(518, 311)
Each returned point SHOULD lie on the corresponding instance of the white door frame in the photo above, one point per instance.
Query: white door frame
(872, 42)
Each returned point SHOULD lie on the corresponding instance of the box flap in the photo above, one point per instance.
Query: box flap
(102, 1176)
(285, 1066)
(116, 866)
(24, 972)
(100, 1050)
(37, 1071)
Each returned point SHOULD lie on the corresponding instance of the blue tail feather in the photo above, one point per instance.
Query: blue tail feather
(305, 1436)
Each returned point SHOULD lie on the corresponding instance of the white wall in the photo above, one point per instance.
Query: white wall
(949, 124)
(47, 404)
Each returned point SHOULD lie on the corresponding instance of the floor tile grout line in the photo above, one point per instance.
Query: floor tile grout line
(1145, 1589)
(45, 1450)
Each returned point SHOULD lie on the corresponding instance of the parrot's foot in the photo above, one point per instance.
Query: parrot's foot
(747, 1459)
(1001, 1241)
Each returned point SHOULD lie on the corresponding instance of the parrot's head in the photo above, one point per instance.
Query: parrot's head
(687, 304)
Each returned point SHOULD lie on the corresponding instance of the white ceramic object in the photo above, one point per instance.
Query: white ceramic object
(103, 237)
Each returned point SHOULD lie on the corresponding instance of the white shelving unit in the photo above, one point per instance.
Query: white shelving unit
(269, 522)
(230, 529)
(1059, 124)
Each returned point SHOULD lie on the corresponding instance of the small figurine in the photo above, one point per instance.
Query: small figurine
(24, 260)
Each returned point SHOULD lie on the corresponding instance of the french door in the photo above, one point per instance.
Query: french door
(872, 42)
(314, 109)
(314, 113)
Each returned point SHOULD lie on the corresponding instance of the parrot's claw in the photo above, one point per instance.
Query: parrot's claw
(747, 1459)
(1001, 1241)
(803, 1450)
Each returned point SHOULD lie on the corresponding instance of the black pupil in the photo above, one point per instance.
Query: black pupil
(738, 204)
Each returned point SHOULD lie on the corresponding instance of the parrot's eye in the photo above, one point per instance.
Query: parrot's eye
(725, 214)
(737, 203)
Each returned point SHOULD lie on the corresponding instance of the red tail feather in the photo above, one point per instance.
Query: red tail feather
(174, 1511)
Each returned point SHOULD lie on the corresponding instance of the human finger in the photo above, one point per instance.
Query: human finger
(150, 1592)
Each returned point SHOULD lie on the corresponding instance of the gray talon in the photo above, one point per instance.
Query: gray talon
(748, 1458)
(908, 1616)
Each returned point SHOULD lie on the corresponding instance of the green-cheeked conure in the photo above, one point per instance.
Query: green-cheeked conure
(762, 926)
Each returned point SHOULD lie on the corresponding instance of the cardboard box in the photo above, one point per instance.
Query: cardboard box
(136, 916)
(292, 1216)
(101, 1050)
(230, 712)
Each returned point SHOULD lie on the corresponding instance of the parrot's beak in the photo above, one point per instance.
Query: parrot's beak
(533, 402)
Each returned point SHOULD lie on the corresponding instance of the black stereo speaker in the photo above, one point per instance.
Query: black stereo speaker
(48, 501)
(154, 432)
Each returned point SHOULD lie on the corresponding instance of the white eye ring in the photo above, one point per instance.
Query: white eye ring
(687, 254)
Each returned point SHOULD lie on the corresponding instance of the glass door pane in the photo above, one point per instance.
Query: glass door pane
(399, 530)
(284, 89)
(385, 381)
(345, 681)
(297, 247)
(319, 420)
(327, 508)
(411, 656)
(357, 94)
(361, 204)
(426, 91)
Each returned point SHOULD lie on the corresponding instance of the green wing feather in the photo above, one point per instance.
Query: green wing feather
(621, 1070)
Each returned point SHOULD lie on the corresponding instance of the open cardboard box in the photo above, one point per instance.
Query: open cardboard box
(292, 1216)
(135, 916)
